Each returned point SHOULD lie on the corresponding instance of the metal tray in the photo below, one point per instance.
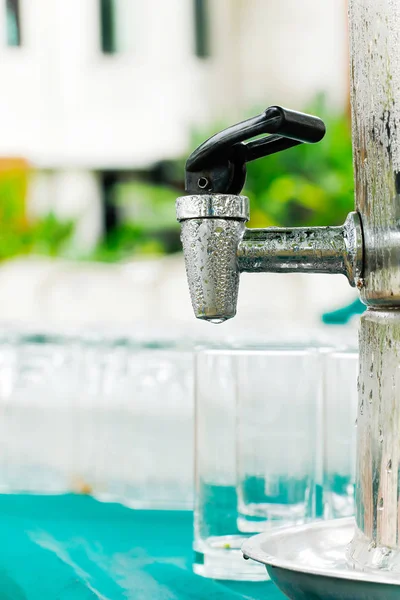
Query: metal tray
(308, 562)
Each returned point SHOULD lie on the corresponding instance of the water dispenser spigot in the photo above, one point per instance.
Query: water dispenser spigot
(216, 244)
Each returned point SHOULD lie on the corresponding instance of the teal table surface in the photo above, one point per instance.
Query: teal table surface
(62, 547)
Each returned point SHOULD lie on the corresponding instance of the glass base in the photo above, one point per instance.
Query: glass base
(363, 553)
(254, 526)
(255, 518)
(222, 558)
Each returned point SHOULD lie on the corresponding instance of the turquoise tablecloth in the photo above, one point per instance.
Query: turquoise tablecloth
(72, 547)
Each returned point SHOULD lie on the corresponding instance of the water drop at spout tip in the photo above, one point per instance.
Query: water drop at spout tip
(217, 320)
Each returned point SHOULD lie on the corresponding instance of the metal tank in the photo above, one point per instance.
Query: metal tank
(366, 249)
(375, 88)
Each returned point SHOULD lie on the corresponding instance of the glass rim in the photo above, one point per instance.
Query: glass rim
(267, 351)
(348, 353)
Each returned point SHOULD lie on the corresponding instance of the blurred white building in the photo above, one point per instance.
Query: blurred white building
(94, 85)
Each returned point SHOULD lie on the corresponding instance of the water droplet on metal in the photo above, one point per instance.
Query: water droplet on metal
(380, 436)
(370, 397)
(380, 504)
(389, 466)
(356, 423)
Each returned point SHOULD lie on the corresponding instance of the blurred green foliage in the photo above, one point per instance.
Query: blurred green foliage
(18, 234)
(43, 236)
(148, 223)
(307, 185)
(50, 235)
(125, 241)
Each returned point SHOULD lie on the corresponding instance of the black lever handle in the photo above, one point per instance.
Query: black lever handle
(218, 165)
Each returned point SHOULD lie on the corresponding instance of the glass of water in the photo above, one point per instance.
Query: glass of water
(256, 420)
(340, 415)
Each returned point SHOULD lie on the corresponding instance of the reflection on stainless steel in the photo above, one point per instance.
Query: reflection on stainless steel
(309, 561)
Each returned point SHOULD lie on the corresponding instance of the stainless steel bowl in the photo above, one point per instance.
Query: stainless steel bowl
(308, 562)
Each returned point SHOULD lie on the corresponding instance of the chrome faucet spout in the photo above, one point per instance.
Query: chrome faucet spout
(304, 250)
(212, 228)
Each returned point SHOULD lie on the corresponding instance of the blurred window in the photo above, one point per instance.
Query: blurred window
(117, 25)
(107, 26)
(201, 28)
(13, 23)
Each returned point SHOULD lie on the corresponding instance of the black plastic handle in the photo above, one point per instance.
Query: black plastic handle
(292, 128)
(219, 164)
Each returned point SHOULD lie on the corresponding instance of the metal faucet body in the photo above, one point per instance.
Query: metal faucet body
(366, 249)
(218, 247)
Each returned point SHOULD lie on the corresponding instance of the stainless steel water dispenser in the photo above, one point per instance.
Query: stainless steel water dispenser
(218, 247)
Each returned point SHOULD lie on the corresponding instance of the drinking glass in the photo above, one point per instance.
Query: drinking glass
(137, 431)
(97, 413)
(38, 391)
(340, 415)
(276, 434)
(257, 416)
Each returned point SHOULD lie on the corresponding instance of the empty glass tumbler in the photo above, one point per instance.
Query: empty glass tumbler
(97, 413)
(340, 415)
(276, 437)
(257, 416)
